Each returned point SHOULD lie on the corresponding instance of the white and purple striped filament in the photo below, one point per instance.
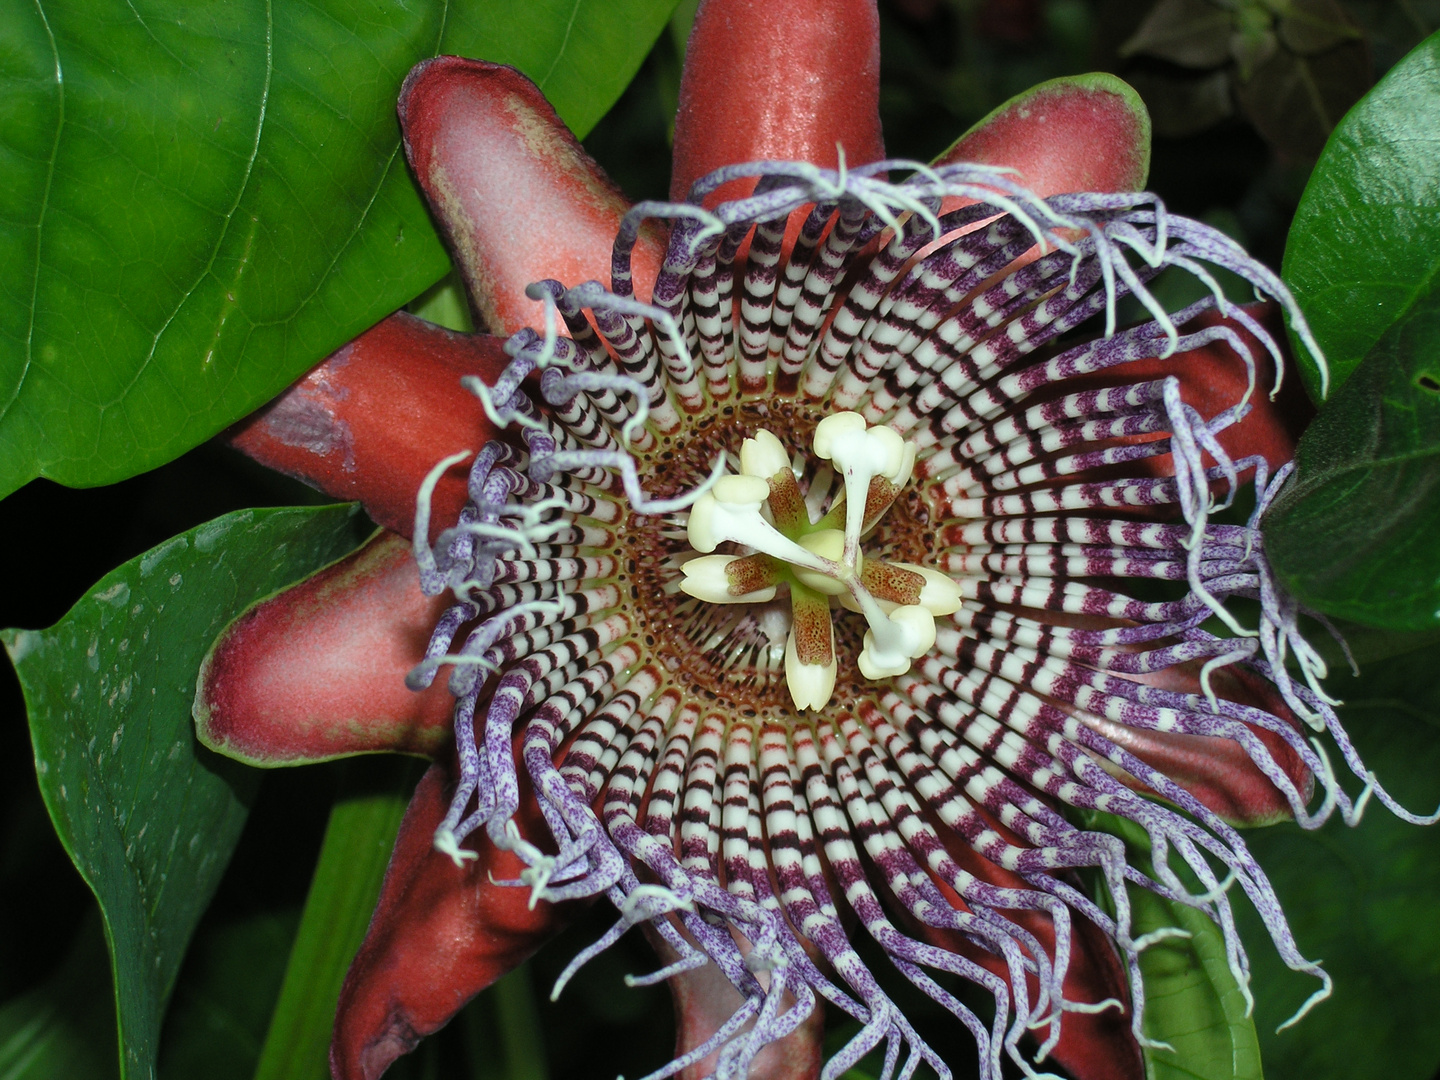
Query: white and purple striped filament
(676, 774)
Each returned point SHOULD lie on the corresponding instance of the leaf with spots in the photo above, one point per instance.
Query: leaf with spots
(148, 816)
(199, 201)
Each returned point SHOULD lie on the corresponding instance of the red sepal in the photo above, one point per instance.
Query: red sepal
(1080, 133)
(318, 671)
(371, 420)
(1213, 378)
(440, 934)
(517, 197)
(777, 79)
(1219, 772)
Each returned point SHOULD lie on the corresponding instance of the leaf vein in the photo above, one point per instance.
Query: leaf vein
(40, 219)
(229, 214)
(564, 44)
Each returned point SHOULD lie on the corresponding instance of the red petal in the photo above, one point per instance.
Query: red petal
(1213, 378)
(373, 419)
(517, 197)
(705, 999)
(777, 79)
(1082, 133)
(1218, 772)
(438, 937)
(318, 671)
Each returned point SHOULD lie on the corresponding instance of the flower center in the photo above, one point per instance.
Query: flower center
(790, 539)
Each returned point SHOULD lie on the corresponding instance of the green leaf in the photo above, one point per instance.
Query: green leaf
(199, 201)
(1191, 33)
(1365, 244)
(1192, 1001)
(1362, 900)
(224, 997)
(148, 816)
(65, 1027)
(1296, 100)
(358, 839)
(504, 1039)
(1354, 535)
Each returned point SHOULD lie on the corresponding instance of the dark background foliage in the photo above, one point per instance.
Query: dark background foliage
(1234, 145)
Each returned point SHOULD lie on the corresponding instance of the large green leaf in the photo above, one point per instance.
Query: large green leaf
(224, 996)
(199, 200)
(1362, 900)
(1365, 244)
(148, 816)
(358, 839)
(1355, 534)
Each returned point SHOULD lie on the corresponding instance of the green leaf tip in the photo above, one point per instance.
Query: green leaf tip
(1362, 249)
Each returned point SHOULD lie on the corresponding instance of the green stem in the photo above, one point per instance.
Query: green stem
(363, 824)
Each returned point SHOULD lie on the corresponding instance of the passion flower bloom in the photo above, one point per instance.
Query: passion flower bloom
(814, 576)
(914, 637)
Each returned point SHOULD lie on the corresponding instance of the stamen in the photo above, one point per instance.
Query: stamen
(709, 578)
(730, 513)
(810, 664)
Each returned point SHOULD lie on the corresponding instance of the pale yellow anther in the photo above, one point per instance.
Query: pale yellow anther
(763, 455)
(940, 595)
(705, 579)
(906, 634)
(810, 684)
(828, 544)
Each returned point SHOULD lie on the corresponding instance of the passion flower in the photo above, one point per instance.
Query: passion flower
(809, 574)
(971, 605)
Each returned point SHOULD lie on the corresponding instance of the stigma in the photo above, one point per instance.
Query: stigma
(807, 540)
